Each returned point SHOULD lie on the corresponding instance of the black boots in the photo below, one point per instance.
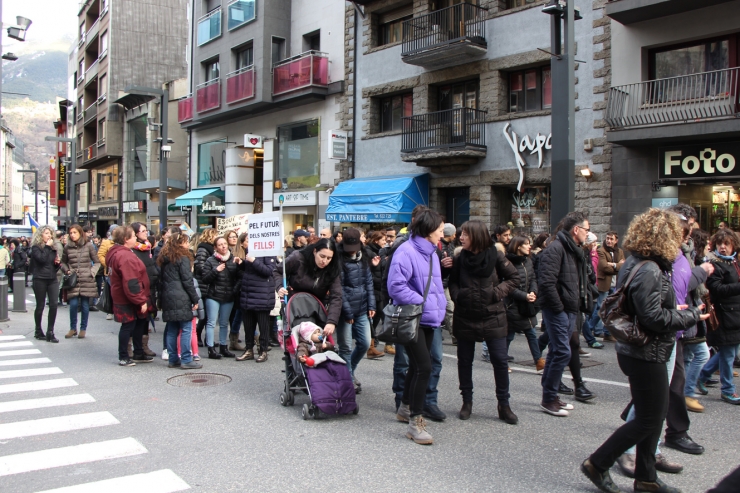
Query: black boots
(224, 350)
(466, 410)
(199, 331)
(50, 336)
(506, 414)
(212, 353)
(582, 393)
(39, 334)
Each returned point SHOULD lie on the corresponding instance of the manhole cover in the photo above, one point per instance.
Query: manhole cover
(199, 380)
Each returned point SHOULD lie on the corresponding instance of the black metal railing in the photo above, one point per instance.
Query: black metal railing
(460, 127)
(443, 27)
(692, 97)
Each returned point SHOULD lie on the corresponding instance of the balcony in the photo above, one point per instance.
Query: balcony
(630, 11)
(209, 26)
(185, 109)
(92, 33)
(446, 37)
(208, 96)
(240, 84)
(240, 13)
(91, 112)
(91, 72)
(309, 69)
(90, 152)
(453, 137)
(101, 142)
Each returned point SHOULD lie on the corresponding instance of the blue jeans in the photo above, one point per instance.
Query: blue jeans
(695, 357)
(560, 327)
(173, 330)
(220, 311)
(73, 305)
(531, 335)
(236, 324)
(593, 324)
(723, 360)
(401, 366)
(360, 332)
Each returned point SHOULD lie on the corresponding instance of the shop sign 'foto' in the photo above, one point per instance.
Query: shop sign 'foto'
(700, 161)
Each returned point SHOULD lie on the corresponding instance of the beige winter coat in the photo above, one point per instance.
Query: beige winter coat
(82, 259)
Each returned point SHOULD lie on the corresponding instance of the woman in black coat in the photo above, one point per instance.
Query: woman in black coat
(376, 254)
(44, 264)
(220, 273)
(480, 280)
(257, 300)
(203, 252)
(521, 304)
(178, 300)
(143, 251)
(654, 236)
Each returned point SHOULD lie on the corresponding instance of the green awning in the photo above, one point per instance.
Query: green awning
(195, 197)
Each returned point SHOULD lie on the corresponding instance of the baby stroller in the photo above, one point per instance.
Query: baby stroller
(328, 385)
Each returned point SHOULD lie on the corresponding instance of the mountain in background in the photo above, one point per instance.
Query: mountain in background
(41, 75)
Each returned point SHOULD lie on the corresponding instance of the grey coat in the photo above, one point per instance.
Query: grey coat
(82, 259)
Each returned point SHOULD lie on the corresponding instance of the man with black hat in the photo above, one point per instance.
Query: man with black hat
(300, 240)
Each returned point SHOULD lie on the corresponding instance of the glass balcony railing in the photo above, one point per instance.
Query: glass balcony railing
(209, 26)
(240, 84)
(208, 96)
(91, 112)
(305, 70)
(185, 109)
(240, 12)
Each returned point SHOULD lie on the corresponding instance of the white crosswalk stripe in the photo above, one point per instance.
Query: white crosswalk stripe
(37, 385)
(19, 352)
(31, 372)
(27, 361)
(62, 400)
(56, 425)
(4, 345)
(11, 338)
(164, 481)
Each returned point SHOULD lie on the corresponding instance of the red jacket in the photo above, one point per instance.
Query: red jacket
(129, 284)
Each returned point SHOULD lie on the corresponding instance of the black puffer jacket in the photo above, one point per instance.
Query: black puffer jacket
(152, 271)
(358, 295)
(20, 259)
(516, 302)
(178, 291)
(724, 290)
(258, 284)
(372, 251)
(202, 253)
(478, 285)
(651, 298)
(223, 285)
(557, 277)
(42, 262)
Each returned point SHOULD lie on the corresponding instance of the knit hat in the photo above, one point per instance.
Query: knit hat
(449, 229)
(306, 330)
(590, 238)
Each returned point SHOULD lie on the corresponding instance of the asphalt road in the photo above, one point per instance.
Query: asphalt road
(129, 426)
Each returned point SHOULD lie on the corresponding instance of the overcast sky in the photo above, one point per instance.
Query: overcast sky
(53, 20)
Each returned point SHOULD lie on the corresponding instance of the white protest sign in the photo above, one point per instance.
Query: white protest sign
(265, 235)
(236, 223)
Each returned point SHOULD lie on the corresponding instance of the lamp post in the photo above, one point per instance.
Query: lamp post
(35, 190)
(47, 204)
(16, 32)
(71, 198)
(164, 149)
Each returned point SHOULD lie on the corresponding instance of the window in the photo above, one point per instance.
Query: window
(530, 90)
(697, 57)
(393, 109)
(81, 71)
(298, 154)
(74, 81)
(103, 42)
(390, 25)
(212, 70)
(244, 57)
(510, 4)
(105, 184)
(81, 106)
(101, 131)
(82, 31)
(240, 12)
(278, 49)
(460, 95)
(211, 162)
(312, 41)
(102, 86)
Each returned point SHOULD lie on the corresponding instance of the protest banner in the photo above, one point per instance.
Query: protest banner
(236, 223)
(265, 235)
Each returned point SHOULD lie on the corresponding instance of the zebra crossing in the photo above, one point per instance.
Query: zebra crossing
(14, 397)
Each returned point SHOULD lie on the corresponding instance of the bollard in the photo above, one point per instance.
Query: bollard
(19, 292)
(4, 299)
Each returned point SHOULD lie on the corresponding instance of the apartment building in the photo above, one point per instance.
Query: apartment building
(458, 94)
(673, 108)
(121, 43)
(266, 90)
(11, 181)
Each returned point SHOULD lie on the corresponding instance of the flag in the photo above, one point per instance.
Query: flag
(33, 223)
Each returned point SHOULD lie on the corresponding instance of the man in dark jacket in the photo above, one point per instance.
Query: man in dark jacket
(300, 240)
(563, 282)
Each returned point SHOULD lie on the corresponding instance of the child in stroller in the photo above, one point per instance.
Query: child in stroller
(328, 382)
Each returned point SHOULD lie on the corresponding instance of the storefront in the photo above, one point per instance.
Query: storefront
(299, 209)
(208, 204)
(106, 216)
(135, 211)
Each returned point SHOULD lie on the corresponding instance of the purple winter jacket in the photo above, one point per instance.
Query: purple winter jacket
(407, 278)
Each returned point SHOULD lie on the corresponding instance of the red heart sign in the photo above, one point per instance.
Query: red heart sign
(254, 141)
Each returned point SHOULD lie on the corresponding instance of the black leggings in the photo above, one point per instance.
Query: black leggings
(43, 288)
(497, 352)
(420, 368)
(251, 319)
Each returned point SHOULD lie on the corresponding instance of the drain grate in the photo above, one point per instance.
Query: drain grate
(199, 380)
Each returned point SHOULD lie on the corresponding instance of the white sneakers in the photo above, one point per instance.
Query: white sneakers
(165, 355)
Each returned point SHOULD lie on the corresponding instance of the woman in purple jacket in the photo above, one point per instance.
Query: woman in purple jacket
(407, 279)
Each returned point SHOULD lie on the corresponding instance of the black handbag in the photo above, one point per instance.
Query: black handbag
(401, 322)
(623, 326)
(69, 281)
(105, 301)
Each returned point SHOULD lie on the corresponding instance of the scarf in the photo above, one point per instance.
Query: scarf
(222, 258)
(610, 249)
(726, 257)
(144, 247)
(479, 264)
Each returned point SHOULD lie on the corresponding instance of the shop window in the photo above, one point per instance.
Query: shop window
(393, 109)
(105, 184)
(212, 208)
(390, 25)
(460, 95)
(298, 154)
(211, 162)
(530, 210)
(530, 90)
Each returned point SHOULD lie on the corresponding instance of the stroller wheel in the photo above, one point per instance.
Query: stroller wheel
(357, 409)
(284, 399)
(291, 395)
(306, 412)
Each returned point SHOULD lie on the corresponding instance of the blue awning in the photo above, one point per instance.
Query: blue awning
(380, 199)
(195, 197)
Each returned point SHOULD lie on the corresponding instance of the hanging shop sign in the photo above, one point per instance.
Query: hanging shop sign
(535, 146)
(252, 141)
(718, 160)
(337, 144)
(62, 183)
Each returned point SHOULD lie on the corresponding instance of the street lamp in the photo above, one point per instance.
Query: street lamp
(35, 188)
(16, 32)
(164, 151)
(71, 208)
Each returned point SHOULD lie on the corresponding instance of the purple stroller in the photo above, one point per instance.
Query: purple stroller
(329, 385)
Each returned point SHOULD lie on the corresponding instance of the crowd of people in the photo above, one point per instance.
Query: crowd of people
(681, 287)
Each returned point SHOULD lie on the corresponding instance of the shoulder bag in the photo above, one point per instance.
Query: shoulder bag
(69, 281)
(401, 322)
(105, 302)
(623, 326)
